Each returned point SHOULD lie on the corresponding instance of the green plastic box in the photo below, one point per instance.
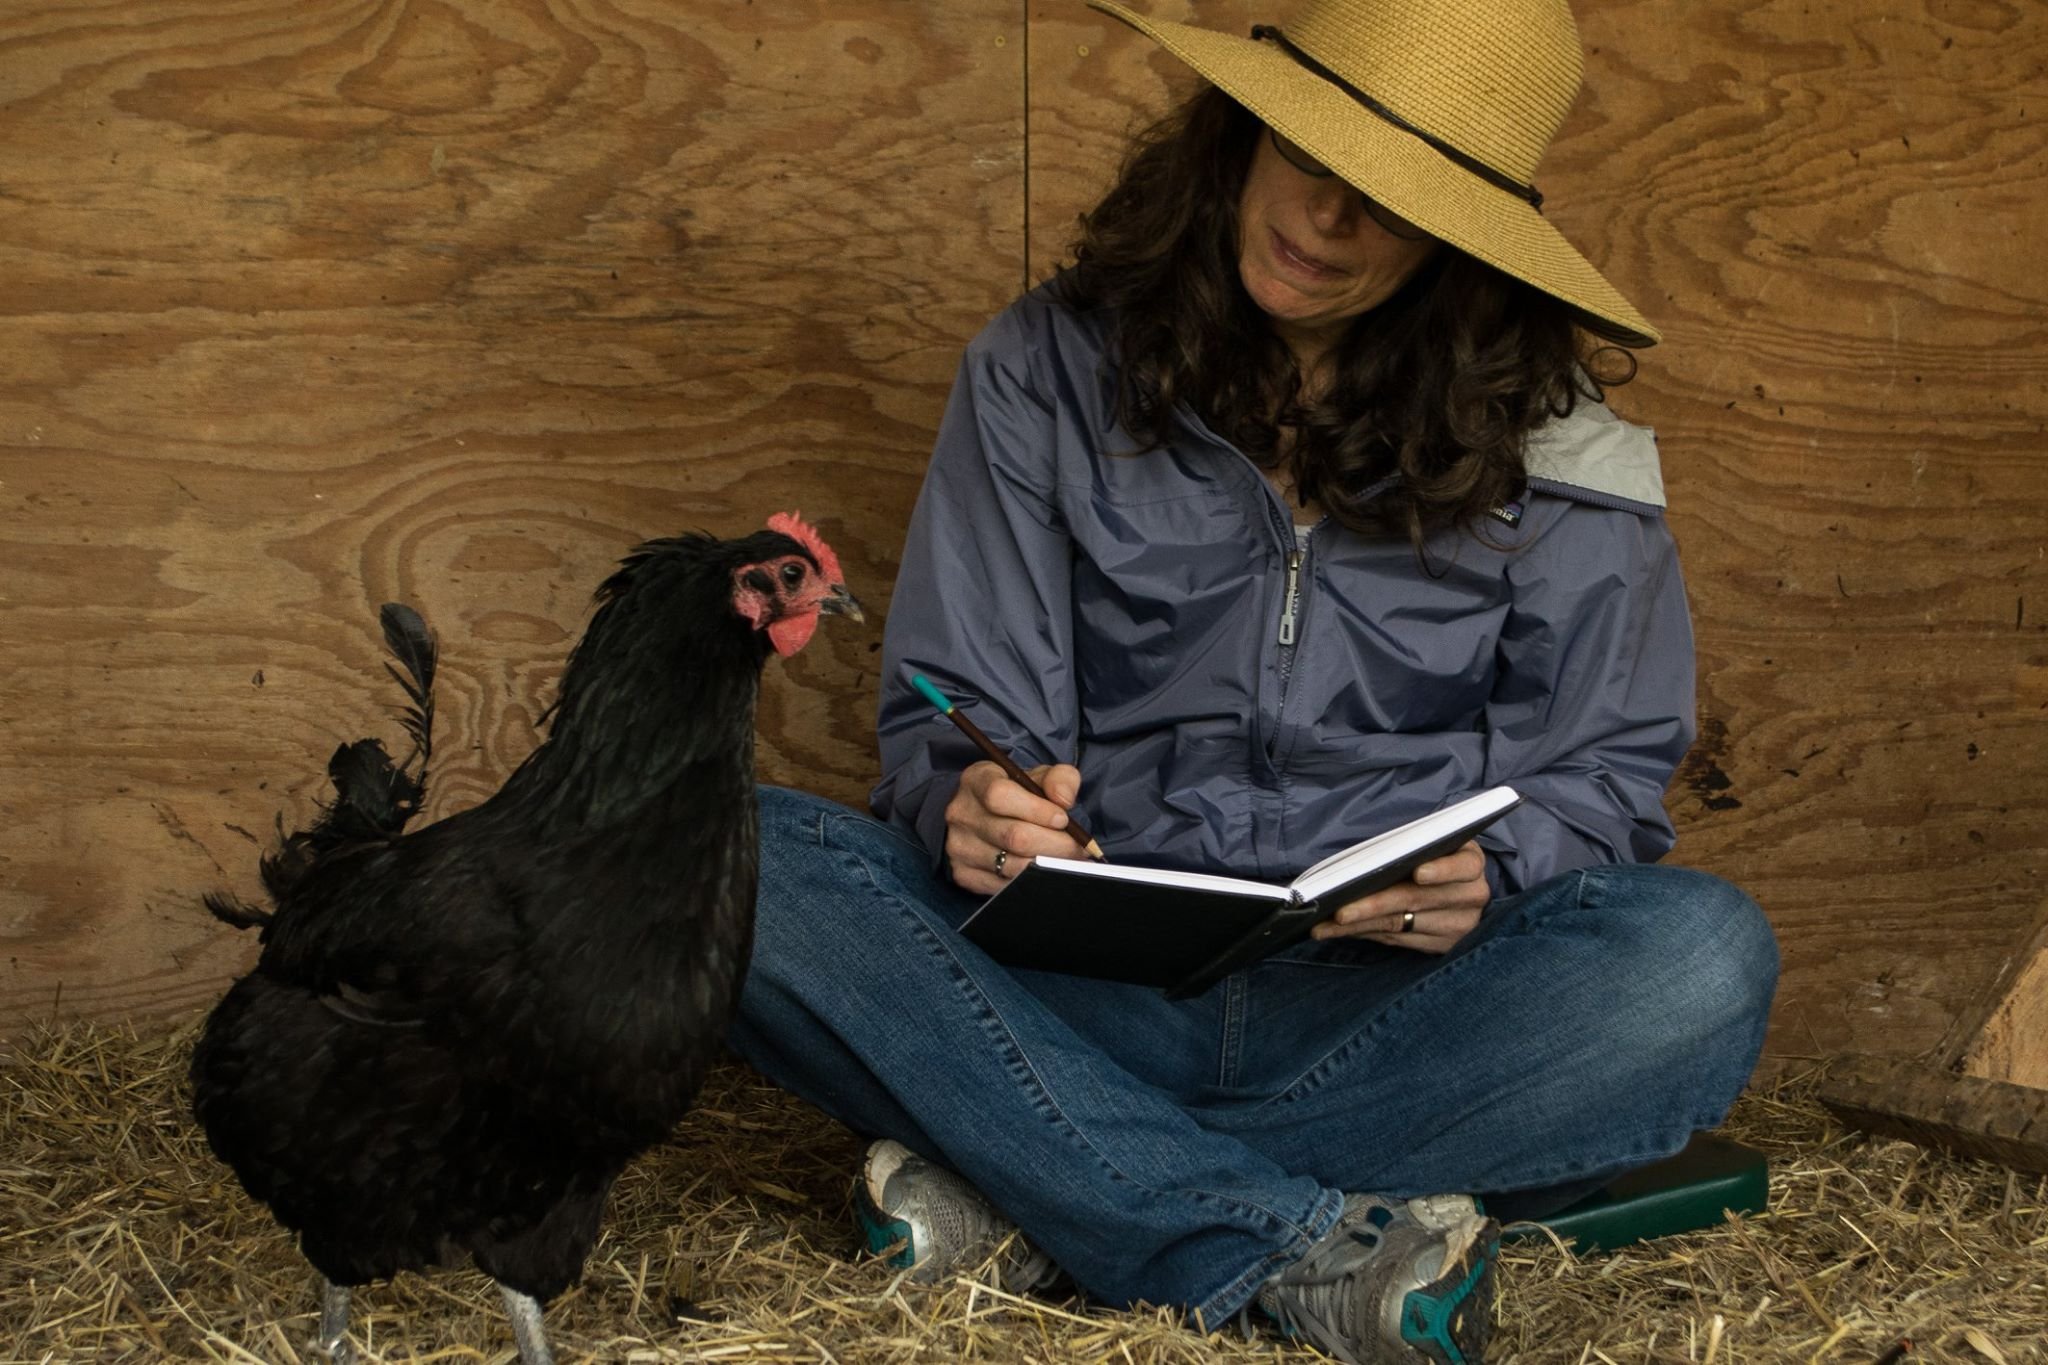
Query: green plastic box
(1696, 1189)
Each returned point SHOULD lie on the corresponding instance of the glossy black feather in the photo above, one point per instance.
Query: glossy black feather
(373, 797)
(456, 1037)
(230, 909)
(412, 644)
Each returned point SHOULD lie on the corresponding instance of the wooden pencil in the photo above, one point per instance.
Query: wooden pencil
(1002, 760)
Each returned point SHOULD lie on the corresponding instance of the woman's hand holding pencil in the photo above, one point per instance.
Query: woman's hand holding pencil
(1001, 817)
(992, 814)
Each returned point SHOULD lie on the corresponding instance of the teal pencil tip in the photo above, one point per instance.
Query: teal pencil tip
(931, 694)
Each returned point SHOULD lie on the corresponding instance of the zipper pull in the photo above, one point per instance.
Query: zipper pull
(1293, 599)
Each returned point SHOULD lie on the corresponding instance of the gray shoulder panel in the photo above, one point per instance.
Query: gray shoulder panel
(1596, 452)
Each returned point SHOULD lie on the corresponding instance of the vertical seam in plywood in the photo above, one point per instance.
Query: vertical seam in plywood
(1024, 264)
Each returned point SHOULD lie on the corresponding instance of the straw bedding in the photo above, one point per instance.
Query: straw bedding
(121, 1239)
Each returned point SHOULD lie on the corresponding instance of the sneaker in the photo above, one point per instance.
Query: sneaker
(1394, 1281)
(923, 1217)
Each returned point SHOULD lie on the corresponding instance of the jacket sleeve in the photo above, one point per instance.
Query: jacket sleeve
(982, 605)
(1593, 706)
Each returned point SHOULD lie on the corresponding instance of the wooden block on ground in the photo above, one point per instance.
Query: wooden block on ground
(1970, 1116)
(1985, 1091)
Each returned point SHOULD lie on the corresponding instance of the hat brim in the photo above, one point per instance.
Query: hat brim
(1396, 168)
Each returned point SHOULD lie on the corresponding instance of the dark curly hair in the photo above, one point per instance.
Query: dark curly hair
(1439, 386)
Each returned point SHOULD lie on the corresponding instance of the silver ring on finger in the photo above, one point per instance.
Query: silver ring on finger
(1003, 856)
(1407, 917)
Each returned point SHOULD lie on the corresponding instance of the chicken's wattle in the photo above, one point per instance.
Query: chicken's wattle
(793, 632)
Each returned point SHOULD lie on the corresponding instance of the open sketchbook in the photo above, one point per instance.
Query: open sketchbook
(1185, 931)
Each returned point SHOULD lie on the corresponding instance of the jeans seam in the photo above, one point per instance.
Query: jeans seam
(1018, 1058)
(1235, 988)
(1233, 1297)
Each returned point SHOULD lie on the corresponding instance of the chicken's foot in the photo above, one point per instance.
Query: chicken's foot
(524, 1311)
(334, 1323)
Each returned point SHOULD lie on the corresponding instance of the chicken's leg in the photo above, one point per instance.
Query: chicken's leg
(334, 1323)
(524, 1310)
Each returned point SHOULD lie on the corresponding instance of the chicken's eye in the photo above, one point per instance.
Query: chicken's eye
(792, 574)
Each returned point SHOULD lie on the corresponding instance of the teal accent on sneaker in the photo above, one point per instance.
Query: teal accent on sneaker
(1393, 1282)
(1430, 1322)
(885, 1234)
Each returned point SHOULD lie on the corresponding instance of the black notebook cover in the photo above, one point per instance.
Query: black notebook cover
(1059, 915)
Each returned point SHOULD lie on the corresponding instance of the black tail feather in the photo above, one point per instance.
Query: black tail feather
(374, 798)
(412, 644)
(236, 911)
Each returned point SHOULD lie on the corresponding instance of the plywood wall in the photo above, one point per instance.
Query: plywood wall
(304, 306)
(308, 306)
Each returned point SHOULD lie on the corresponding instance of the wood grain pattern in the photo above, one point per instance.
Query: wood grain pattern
(311, 305)
(314, 305)
(1852, 409)
(1833, 211)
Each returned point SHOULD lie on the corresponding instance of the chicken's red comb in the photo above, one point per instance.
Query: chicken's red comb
(792, 525)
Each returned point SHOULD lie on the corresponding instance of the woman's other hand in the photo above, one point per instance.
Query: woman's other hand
(1445, 896)
(990, 815)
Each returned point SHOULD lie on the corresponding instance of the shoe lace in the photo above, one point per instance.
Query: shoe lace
(1314, 1296)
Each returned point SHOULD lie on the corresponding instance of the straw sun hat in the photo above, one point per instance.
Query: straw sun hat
(1440, 109)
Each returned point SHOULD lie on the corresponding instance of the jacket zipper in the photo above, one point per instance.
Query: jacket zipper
(1289, 633)
(1291, 604)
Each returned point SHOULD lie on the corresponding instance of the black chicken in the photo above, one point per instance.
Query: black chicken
(455, 1039)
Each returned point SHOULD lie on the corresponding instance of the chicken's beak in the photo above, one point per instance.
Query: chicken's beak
(840, 602)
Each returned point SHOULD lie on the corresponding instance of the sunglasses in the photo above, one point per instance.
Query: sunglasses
(1392, 223)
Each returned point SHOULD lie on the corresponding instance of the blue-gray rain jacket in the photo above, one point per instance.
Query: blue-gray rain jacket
(1238, 702)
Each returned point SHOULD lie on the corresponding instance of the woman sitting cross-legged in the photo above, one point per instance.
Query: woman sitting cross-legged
(1289, 510)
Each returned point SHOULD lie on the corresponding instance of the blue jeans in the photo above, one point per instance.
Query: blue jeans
(1183, 1152)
